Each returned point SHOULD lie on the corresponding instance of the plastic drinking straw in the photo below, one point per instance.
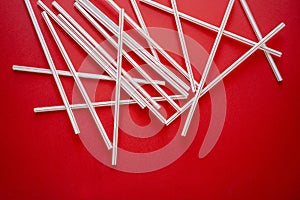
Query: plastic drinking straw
(80, 74)
(118, 88)
(100, 104)
(143, 25)
(77, 81)
(183, 46)
(208, 66)
(259, 37)
(52, 67)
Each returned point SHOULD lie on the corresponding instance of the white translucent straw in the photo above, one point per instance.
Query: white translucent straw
(228, 70)
(259, 36)
(118, 88)
(77, 81)
(52, 67)
(208, 65)
(100, 104)
(143, 25)
(210, 27)
(183, 46)
(80, 74)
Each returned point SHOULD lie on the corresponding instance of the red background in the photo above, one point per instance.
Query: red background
(257, 156)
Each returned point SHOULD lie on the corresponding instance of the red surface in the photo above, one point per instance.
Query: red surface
(257, 156)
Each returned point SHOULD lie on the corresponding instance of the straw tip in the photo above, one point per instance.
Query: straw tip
(183, 135)
(280, 80)
(109, 146)
(76, 129)
(54, 3)
(40, 3)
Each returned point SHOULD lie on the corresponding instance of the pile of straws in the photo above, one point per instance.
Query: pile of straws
(122, 78)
